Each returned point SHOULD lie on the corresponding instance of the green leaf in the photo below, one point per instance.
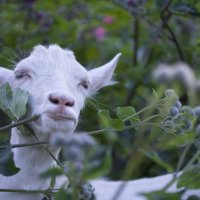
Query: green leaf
(5, 136)
(52, 172)
(183, 9)
(127, 113)
(190, 178)
(105, 118)
(98, 168)
(155, 133)
(25, 130)
(108, 122)
(162, 195)
(155, 157)
(161, 4)
(7, 165)
(20, 99)
(117, 124)
(13, 103)
(52, 182)
(62, 195)
(155, 94)
(178, 140)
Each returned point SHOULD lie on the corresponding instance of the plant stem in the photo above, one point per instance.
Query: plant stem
(26, 144)
(54, 158)
(152, 117)
(99, 131)
(189, 164)
(144, 109)
(135, 39)
(27, 191)
(196, 155)
(8, 127)
(136, 124)
(173, 36)
(49, 152)
(182, 158)
(29, 144)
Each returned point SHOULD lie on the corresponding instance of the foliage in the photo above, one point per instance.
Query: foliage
(82, 160)
(14, 106)
(136, 127)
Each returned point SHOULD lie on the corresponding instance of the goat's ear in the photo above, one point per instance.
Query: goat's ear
(102, 76)
(6, 75)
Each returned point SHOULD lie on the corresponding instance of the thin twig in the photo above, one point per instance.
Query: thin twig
(25, 144)
(99, 131)
(135, 39)
(182, 158)
(54, 158)
(173, 36)
(131, 94)
(146, 108)
(189, 164)
(29, 191)
(120, 189)
(10, 126)
(29, 144)
(49, 152)
(135, 56)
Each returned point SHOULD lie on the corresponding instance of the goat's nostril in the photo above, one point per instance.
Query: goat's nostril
(69, 103)
(60, 100)
(53, 100)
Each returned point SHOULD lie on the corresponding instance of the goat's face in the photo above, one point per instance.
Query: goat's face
(58, 86)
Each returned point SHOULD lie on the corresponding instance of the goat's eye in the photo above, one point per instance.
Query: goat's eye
(22, 74)
(84, 84)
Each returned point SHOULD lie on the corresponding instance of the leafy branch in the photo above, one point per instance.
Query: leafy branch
(18, 123)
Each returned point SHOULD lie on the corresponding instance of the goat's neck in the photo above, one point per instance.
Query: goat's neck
(32, 160)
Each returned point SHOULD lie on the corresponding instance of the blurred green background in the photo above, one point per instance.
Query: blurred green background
(146, 32)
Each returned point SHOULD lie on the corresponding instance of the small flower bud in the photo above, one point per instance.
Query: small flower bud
(188, 111)
(178, 104)
(169, 92)
(197, 129)
(187, 125)
(174, 111)
(197, 111)
(72, 153)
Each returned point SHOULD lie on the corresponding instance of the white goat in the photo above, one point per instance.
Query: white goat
(58, 86)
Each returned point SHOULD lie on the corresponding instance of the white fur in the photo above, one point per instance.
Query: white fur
(54, 72)
(132, 190)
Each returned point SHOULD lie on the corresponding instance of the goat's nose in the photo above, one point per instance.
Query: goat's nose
(61, 100)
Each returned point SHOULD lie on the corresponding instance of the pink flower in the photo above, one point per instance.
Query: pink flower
(108, 19)
(99, 33)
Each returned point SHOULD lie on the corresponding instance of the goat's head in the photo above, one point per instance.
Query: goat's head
(58, 86)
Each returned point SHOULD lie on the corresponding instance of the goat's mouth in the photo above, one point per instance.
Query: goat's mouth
(60, 117)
